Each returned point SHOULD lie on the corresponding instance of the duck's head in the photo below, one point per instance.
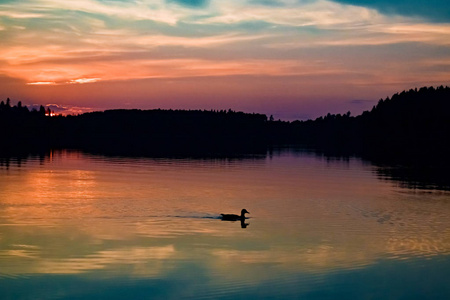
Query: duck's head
(244, 211)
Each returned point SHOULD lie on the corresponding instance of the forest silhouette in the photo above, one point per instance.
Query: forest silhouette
(413, 124)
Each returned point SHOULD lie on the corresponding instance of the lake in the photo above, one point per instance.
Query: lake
(75, 225)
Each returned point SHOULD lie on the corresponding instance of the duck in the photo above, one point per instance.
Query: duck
(231, 217)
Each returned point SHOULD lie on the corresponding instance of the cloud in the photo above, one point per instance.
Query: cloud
(274, 3)
(41, 83)
(63, 109)
(53, 44)
(10, 1)
(433, 10)
(290, 13)
(190, 3)
(71, 81)
(83, 80)
(360, 101)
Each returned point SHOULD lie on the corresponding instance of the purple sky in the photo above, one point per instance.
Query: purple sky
(290, 58)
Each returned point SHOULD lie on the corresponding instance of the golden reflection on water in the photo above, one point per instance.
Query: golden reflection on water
(74, 213)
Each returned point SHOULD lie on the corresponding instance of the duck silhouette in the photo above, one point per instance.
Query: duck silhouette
(231, 217)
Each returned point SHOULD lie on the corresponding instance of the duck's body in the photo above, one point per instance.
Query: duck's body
(232, 217)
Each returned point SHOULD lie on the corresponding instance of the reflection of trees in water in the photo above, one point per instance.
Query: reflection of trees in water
(20, 158)
(408, 171)
(7, 159)
(425, 178)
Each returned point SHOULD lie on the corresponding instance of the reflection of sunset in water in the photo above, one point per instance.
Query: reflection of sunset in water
(77, 214)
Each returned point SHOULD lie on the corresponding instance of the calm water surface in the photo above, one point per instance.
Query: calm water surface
(80, 226)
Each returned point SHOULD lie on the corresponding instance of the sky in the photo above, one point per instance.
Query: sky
(293, 59)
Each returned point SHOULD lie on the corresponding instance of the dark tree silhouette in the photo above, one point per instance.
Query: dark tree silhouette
(414, 123)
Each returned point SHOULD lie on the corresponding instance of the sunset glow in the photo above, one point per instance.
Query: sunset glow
(293, 59)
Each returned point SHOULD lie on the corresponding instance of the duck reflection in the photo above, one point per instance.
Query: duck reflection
(243, 224)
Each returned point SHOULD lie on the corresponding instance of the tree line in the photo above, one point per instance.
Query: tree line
(410, 123)
(6, 110)
(413, 123)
